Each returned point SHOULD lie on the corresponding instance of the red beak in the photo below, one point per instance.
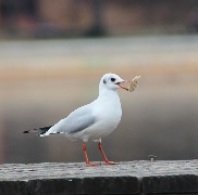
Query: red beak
(121, 86)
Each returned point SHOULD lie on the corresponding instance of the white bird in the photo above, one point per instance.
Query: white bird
(94, 120)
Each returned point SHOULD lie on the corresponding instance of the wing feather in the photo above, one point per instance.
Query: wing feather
(78, 120)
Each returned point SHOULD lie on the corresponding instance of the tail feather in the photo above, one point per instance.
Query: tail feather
(39, 131)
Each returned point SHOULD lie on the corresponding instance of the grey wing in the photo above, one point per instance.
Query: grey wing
(78, 120)
(78, 124)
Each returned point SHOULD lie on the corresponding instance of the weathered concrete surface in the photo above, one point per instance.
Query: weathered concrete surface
(136, 177)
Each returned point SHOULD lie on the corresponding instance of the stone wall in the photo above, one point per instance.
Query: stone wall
(136, 177)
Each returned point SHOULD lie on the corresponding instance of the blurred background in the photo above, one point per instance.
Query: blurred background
(53, 54)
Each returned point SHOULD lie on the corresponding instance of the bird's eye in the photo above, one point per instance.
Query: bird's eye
(113, 79)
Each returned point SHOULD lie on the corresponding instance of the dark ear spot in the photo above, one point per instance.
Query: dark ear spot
(104, 81)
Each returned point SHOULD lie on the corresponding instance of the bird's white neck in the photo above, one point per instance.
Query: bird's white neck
(110, 106)
(110, 95)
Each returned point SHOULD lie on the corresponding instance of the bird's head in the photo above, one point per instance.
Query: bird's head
(112, 81)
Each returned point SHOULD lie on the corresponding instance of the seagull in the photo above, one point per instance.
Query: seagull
(94, 120)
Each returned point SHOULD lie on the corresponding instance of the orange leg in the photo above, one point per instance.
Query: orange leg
(84, 149)
(107, 162)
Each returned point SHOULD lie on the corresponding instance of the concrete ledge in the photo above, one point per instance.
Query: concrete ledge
(136, 177)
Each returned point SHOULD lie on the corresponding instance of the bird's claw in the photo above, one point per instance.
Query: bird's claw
(110, 163)
(90, 164)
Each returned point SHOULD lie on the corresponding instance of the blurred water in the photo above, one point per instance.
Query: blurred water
(43, 81)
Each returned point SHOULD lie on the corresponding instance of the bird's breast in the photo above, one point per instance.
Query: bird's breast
(109, 114)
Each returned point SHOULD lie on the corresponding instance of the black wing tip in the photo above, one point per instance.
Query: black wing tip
(40, 131)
